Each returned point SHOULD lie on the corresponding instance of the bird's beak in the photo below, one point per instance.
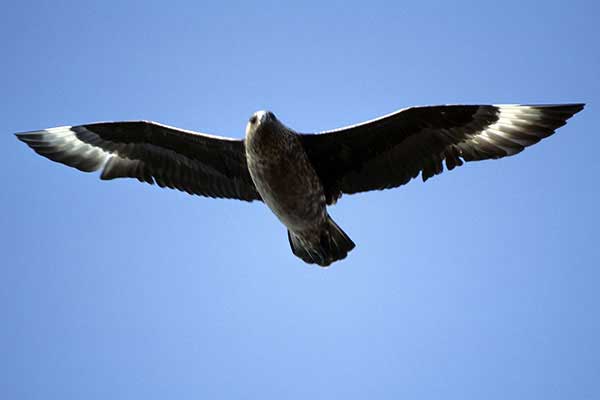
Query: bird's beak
(263, 117)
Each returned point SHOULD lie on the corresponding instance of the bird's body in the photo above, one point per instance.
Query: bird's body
(283, 175)
(290, 187)
(299, 175)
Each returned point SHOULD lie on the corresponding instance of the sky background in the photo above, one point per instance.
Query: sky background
(480, 284)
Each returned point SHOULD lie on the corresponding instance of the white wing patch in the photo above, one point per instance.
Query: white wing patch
(517, 127)
(78, 147)
(63, 144)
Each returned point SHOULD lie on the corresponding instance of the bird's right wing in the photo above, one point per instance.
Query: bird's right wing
(192, 162)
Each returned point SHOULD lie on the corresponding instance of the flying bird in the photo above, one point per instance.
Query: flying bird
(298, 175)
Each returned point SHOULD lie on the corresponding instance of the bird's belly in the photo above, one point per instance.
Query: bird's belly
(290, 188)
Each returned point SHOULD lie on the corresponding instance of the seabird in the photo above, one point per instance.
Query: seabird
(298, 175)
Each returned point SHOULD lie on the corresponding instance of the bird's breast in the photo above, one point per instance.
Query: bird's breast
(286, 181)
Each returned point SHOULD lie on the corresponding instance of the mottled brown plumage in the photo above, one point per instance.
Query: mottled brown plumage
(298, 175)
(290, 186)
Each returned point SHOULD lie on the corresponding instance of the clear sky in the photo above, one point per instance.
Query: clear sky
(480, 284)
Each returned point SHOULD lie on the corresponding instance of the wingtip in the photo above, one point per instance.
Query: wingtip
(570, 109)
(577, 106)
(567, 110)
(22, 136)
(573, 108)
(27, 137)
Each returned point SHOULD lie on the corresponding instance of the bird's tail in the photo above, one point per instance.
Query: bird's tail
(333, 244)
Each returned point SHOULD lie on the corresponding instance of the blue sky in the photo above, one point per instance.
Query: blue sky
(480, 283)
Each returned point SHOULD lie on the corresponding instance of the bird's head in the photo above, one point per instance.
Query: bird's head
(259, 120)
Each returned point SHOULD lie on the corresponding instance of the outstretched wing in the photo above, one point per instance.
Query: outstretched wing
(391, 150)
(192, 162)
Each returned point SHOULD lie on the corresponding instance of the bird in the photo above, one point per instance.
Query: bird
(298, 175)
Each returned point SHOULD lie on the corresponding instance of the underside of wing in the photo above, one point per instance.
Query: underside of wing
(388, 152)
(154, 153)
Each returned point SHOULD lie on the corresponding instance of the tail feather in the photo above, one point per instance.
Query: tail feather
(332, 245)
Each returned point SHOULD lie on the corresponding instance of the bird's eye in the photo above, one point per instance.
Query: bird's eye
(253, 119)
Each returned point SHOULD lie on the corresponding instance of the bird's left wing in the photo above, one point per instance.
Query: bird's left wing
(391, 150)
(196, 163)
